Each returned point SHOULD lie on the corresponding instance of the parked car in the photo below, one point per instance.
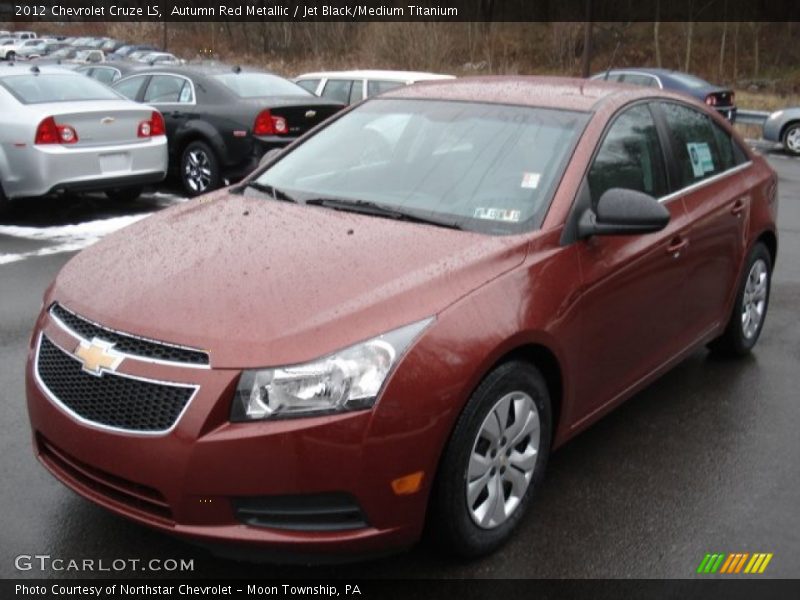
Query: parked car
(108, 73)
(784, 126)
(221, 121)
(160, 58)
(25, 35)
(88, 56)
(124, 51)
(111, 45)
(384, 328)
(349, 87)
(722, 99)
(35, 48)
(60, 131)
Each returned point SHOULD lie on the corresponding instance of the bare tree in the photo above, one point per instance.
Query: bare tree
(586, 58)
(689, 37)
(656, 34)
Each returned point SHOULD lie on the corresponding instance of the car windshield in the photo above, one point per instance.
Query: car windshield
(36, 89)
(482, 167)
(253, 85)
(689, 80)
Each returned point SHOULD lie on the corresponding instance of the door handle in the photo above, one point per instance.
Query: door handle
(738, 207)
(677, 245)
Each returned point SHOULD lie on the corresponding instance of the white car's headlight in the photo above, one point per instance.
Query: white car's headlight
(349, 379)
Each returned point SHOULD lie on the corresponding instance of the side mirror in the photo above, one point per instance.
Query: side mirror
(623, 212)
(269, 156)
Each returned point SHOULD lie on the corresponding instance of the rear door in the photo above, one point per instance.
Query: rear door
(633, 285)
(174, 96)
(712, 181)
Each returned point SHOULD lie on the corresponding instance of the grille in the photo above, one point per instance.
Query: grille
(110, 400)
(128, 344)
(316, 512)
(133, 495)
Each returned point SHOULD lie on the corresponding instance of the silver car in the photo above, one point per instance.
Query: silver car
(784, 126)
(61, 131)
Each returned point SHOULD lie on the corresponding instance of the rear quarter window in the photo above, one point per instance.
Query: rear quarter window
(695, 142)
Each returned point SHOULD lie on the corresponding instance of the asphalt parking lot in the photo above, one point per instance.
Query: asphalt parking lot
(705, 460)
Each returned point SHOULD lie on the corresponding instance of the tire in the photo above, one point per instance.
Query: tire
(11, 55)
(124, 194)
(463, 518)
(200, 171)
(750, 308)
(791, 139)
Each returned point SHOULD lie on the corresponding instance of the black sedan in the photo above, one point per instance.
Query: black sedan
(220, 122)
(720, 98)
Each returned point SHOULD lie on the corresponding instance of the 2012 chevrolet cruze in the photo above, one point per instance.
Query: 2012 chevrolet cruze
(395, 320)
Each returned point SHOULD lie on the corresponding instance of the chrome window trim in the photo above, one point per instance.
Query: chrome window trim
(703, 182)
(71, 413)
(144, 359)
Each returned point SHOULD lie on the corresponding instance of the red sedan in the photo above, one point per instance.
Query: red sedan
(395, 320)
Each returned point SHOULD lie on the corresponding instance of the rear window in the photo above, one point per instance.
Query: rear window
(253, 85)
(37, 89)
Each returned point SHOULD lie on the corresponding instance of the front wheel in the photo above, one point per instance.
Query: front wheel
(791, 139)
(200, 171)
(750, 308)
(494, 461)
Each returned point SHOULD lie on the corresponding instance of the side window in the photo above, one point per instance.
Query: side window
(337, 90)
(378, 87)
(637, 79)
(630, 157)
(732, 154)
(130, 87)
(309, 84)
(698, 156)
(356, 92)
(166, 88)
(107, 76)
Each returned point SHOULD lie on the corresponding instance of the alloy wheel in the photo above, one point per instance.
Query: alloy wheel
(793, 140)
(197, 170)
(754, 300)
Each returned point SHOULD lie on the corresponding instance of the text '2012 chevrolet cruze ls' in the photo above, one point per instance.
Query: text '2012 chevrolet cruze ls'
(394, 321)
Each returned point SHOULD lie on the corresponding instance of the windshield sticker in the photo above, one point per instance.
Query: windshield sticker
(530, 180)
(497, 214)
(700, 155)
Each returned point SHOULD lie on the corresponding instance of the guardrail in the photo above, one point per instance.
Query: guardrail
(752, 117)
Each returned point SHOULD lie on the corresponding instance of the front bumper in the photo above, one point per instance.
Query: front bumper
(39, 170)
(190, 480)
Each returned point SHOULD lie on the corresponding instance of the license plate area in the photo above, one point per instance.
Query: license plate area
(115, 161)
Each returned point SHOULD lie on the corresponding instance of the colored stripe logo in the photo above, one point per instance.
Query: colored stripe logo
(734, 562)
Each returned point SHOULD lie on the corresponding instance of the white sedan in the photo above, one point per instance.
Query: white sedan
(61, 131)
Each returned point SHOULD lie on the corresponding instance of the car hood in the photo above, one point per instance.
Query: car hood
(261, 283)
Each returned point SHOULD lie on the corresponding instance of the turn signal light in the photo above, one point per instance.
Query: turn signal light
(50, 132)
(153, 127)
(408, 484)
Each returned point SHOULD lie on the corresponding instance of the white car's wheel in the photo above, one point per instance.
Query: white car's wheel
(791, 139)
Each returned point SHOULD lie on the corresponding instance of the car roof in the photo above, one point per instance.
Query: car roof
(377, 74)
(542, 92)
(12, 69)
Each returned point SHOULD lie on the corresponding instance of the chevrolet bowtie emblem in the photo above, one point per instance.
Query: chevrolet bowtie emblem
(107, 120)
(98, 356)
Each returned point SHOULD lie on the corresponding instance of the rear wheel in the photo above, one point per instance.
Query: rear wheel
(200, 171)
(11, 55)
(791, 139)
(124, 194)
(493, 462)
(750, 308)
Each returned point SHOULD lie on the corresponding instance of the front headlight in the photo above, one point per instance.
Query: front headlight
(349, 379)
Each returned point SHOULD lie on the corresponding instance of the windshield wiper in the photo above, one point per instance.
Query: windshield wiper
(276, 193)
(367, 207)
